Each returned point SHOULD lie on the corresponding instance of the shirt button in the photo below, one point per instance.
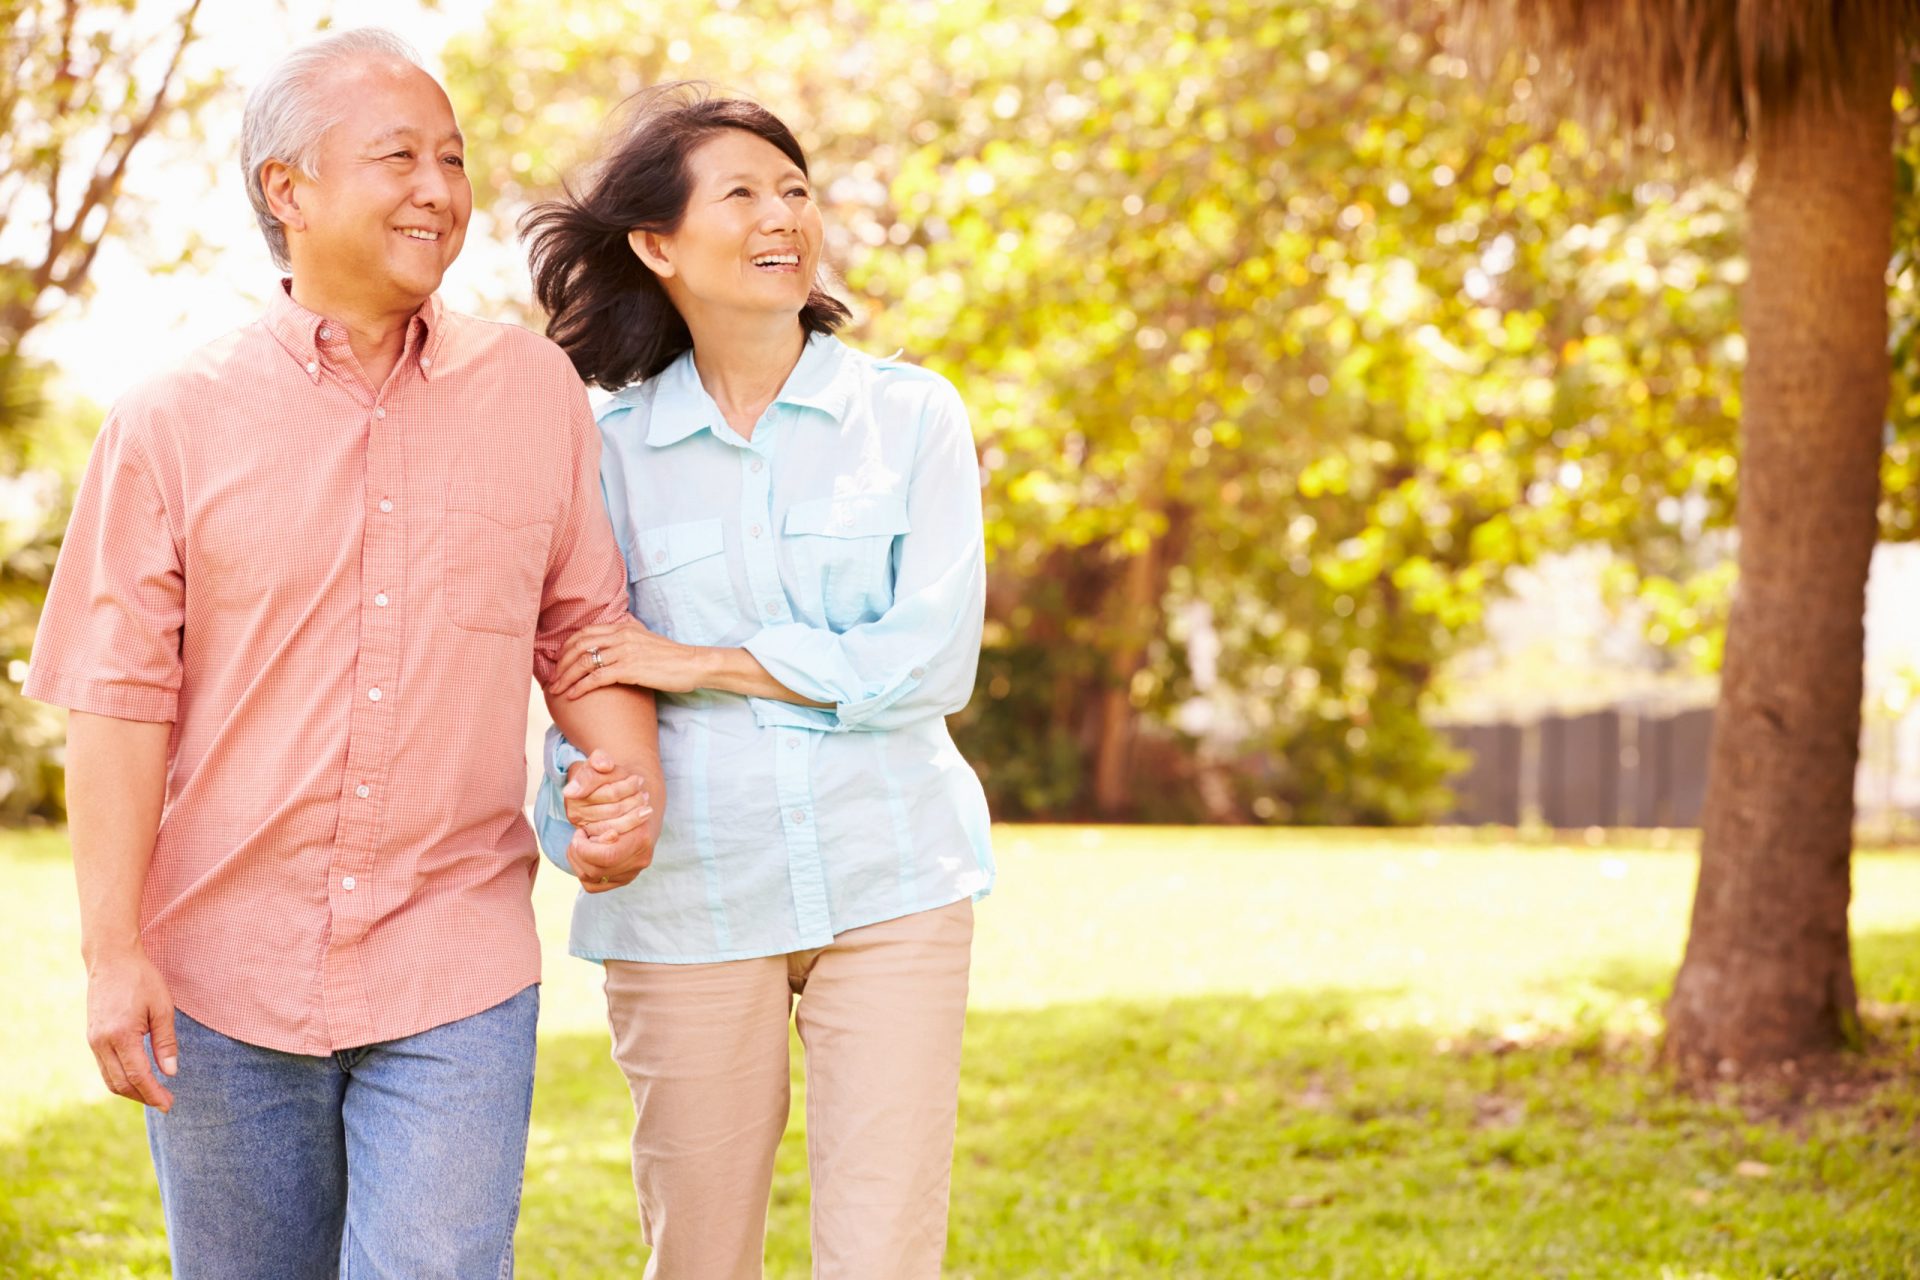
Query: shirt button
(425, 363)
(918, 672)
(754, 531)
(325, 334)
(373, 695)
(773, 609)
(363, 791)
(386, 504)
(659, 557)
(799, 815)
(792, 743)
(347, 884)
(313, 366)
(379, 411)
(757, 464)
(381, 599)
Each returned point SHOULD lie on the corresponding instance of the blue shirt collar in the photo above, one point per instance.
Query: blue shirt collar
(681, 405)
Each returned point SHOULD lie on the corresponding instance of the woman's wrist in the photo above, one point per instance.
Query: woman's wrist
(709, 667)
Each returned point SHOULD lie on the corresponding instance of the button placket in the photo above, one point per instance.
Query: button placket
(756, 517)
(793, 784)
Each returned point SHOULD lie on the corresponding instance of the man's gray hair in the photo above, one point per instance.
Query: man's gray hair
(287, 116)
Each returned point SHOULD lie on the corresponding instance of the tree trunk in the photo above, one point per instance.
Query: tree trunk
(1113, 750)
(1768, 975)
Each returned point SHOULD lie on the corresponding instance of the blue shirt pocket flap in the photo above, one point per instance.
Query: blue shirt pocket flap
(669, 546)
(857, 516)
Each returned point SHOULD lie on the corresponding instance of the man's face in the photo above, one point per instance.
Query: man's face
(387, 212)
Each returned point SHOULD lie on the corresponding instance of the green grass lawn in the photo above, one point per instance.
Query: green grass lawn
(1199, 1053)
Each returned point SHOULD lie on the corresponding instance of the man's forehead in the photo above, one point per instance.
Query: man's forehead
(382, 101)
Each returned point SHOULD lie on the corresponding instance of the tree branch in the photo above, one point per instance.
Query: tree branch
(105, 186)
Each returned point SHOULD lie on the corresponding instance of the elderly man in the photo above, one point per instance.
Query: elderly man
(307, 579)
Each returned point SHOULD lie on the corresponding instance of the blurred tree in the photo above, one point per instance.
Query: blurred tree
(1283, 336)
(83, 85)
(1807, 91)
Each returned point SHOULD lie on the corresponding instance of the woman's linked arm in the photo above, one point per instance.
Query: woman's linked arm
(917, 660)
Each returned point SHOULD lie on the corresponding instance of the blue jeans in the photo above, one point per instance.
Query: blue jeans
(398, 1159)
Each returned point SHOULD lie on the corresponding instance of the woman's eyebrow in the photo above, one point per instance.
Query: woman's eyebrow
(749, 177)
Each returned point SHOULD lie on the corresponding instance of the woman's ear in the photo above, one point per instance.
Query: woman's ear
(276, 183)
(647, 247)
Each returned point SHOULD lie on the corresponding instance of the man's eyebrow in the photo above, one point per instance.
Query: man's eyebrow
(406, 132)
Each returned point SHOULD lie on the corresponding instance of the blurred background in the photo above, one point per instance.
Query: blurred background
(1358, 440)
(1358, 444)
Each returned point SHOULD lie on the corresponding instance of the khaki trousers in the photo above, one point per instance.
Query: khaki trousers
(704, 1049)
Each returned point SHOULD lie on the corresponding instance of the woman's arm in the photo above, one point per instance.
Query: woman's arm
(631, 654)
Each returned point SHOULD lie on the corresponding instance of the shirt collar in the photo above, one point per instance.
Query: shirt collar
(299, 331)
(681, 405)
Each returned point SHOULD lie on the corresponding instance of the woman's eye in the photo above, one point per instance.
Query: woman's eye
(401, 155)
(458, 162)
(798, 191)
(739, 191)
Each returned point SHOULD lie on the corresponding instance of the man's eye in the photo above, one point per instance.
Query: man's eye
(739, 191)
(458, 162)
(798, 191)
(401, 155)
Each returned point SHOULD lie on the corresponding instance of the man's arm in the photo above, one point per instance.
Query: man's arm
(618, 722)
(116, 785)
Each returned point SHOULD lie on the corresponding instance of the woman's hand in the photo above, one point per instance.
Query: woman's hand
(627, 653)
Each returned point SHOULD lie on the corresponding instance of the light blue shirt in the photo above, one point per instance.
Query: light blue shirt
(842, 547)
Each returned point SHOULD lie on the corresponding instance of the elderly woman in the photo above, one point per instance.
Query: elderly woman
(802, 532)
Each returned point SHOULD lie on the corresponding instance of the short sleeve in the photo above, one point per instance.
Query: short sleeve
(109, 636)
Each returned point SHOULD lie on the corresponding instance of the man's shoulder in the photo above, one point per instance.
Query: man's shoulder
(481, 339)
(211, 369)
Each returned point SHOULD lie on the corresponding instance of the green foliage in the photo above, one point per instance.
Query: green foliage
(1280, 331)
(1447, 1076)
(84, 84)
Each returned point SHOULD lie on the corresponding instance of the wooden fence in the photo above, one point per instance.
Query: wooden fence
(1605, 769)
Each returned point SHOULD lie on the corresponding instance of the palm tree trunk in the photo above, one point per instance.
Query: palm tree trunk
(1768, 975)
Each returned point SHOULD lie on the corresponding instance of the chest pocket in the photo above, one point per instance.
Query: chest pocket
(842, 550)
(495, 562)
(681, 586)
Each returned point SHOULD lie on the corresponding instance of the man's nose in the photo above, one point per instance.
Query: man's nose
(434, 188)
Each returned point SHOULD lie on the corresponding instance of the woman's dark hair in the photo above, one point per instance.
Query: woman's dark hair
(605, 307)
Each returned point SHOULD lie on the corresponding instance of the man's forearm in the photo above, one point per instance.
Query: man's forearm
(116, 788)
(620, 720)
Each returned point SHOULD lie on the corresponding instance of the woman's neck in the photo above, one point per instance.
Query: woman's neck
(744, 369)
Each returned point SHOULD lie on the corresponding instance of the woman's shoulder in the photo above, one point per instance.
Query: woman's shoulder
(904, 384)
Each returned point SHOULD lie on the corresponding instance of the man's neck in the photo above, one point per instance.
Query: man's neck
(376, 335)
(743, 367)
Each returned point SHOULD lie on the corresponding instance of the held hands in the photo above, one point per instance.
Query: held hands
(127, 999)
(609, 808)
(628, 654)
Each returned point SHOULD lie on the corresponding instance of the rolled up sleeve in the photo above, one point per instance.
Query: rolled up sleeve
(917, 660)
(109, 635)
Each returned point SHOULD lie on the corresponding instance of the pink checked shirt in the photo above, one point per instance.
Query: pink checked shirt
(337, 595)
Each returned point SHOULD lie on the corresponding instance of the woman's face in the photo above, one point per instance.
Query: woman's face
(750, 240)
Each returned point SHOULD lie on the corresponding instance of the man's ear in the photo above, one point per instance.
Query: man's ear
(276, 180)
(649, 248)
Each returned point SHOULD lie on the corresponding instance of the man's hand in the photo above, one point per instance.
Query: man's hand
(127, 999)
(603, 799)
(609, 808)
